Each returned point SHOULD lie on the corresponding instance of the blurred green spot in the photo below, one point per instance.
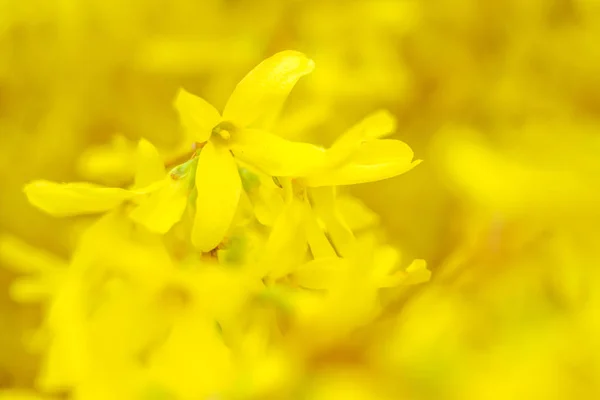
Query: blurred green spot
(250, 181)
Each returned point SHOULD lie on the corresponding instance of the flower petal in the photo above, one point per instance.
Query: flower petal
(150, 166)
(356, 213)
(262, 92)
(374, 126)
(274, 155)
(267, 201)
(322, 274)
(374, 161)
(219, 187)
(24, 258)
(286, 247)
(110, 164)
(163, 208)
(197, 116)
(324, 205)
(68, 199)
(320, 245)
(414, 274)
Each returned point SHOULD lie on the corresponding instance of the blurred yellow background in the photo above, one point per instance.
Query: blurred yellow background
(501, 99)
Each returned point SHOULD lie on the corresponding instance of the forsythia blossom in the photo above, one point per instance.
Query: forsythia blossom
(227, 274)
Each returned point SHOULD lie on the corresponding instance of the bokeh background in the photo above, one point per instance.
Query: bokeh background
(501, 99)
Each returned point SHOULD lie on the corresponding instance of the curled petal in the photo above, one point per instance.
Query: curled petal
(197, 116)
(68, 199)
(274, 155)
(219, 187)
(262, 92)
(374, 161)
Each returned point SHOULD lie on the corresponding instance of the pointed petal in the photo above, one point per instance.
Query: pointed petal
(374, 161)
(274, 155)
(263, 91)
(163, 208)
(68, 199)
(219, 187)
(374, 126)
(197, 116)
(150, 166)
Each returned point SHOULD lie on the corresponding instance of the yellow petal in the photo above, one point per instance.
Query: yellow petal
(192, 341)
(32, 290)
(110, 164)
(68, 199)
(319, 244)
(267, 201)
(150, 166)
(414, 274)
(385, 259)
(324, 204)
(356, 213)
(374, 126)
(374, 161)
(324, 273)
(417, 272)
(274, 155)
(286, 246)
(163, 208)
(197, 116)
(263, 91)
(219, 187)
(25, 258)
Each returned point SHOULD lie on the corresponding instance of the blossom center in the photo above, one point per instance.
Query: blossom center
(223, 130)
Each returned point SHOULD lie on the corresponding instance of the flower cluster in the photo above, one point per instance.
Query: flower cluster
(296, 267)
(232, 272)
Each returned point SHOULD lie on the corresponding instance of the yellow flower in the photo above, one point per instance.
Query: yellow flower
(341, 295)
(160, 198)
(311, 216)
(255, 101)
(359, 155)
